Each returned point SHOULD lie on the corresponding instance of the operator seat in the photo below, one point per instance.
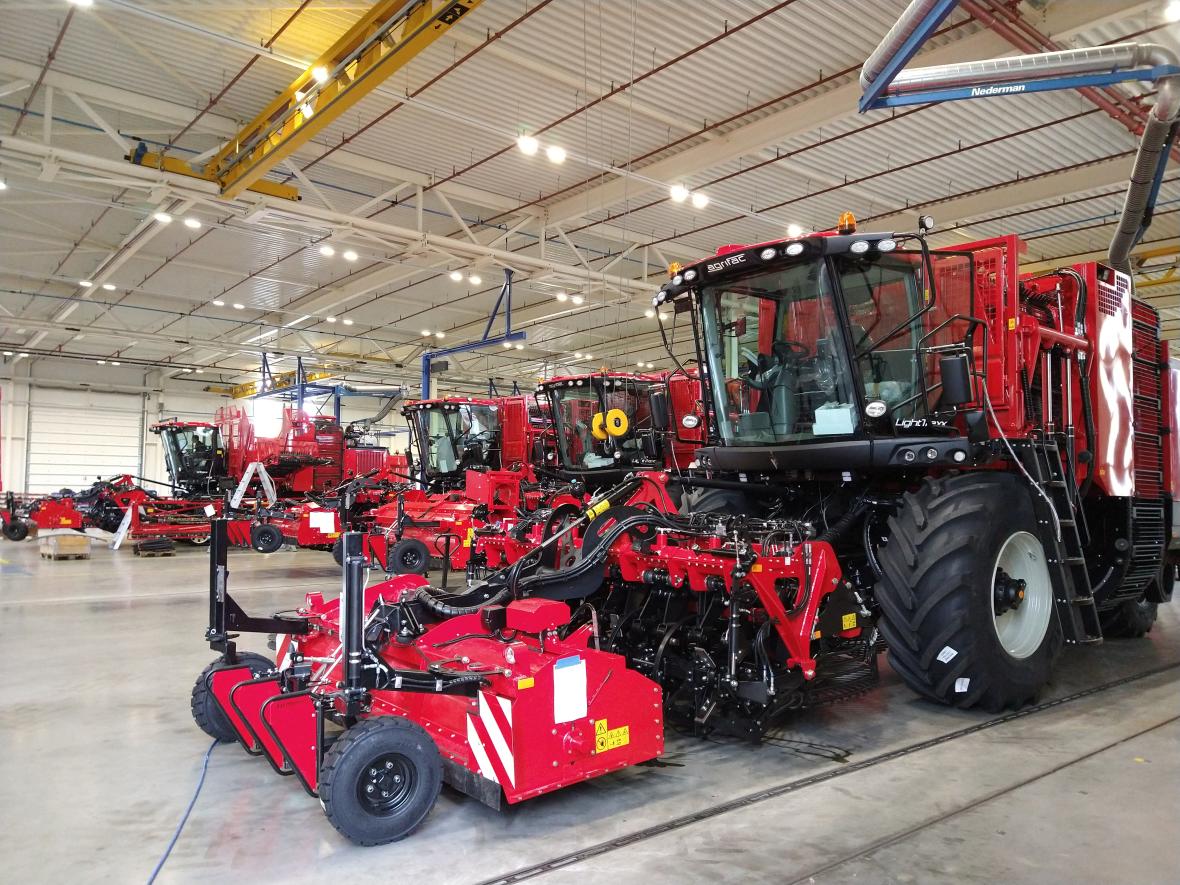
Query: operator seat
(778, 379)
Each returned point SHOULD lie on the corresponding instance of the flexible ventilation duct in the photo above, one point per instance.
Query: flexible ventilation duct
(1158, 134)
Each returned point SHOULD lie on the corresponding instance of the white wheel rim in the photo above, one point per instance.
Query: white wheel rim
(1021, 630)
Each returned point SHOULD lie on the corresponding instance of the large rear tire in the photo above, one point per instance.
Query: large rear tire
(206, 712)
(1130, 619)
(966, 599)
(380, 780)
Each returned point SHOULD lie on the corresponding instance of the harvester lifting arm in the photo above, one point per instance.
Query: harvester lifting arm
(885, 84)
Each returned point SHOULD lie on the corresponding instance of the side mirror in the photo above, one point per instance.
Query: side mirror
(956, 380)
(658, 403)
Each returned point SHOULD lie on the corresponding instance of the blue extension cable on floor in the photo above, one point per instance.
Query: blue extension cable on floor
(184, 819)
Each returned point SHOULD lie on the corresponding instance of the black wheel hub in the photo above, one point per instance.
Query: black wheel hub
(411, 559)
(386, 784)
(1009, 592)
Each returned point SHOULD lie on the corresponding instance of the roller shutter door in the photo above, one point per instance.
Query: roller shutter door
(77, 435)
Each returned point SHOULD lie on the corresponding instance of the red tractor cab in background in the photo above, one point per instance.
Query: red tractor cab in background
(475, 467)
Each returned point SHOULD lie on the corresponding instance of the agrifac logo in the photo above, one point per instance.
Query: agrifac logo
(983, 91)
(731, 261)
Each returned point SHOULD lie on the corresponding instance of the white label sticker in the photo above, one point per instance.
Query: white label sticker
(210, 510)
(569, 689)
(961, 684)
(322, 520)
(946, 654)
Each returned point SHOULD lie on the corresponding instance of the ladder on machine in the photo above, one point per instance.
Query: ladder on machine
(1066, 549)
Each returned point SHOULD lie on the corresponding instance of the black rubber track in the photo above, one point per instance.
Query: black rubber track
(936, 588)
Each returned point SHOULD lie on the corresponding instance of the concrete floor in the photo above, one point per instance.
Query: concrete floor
(99, 757)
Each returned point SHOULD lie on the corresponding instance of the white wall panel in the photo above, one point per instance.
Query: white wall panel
(76, 436)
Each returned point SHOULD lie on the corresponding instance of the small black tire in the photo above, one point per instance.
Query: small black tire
(16, 530)
(938, 593)
(199, 541)
(380, 780)
(1129, 619)
(266, 538)
(409, 556)
(206, 712)
(338, 552)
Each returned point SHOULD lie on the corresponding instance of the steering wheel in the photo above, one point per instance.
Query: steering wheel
(789, 350)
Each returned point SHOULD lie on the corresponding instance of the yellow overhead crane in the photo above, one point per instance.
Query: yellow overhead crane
(389, 35)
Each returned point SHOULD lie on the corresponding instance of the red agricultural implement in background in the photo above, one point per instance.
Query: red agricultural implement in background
(606, 425)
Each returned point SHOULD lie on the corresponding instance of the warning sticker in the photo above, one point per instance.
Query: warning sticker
(607, 738)
(848, 622)
(64, 520)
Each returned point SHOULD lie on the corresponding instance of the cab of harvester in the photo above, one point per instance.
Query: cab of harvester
(609, 424)
(193, 455)
(451, 435)
(834, 352)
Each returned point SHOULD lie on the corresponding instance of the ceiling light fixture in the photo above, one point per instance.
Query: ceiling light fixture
(327, 251)
(440, 335)
(218, 303)
(3, 185)
(556, 154)
(193, 223)
(320, 74)
(101, 362)
(577, 356)
(699, 200)
(239, 306)
(589, 356)
(794, 230)
(162, 217)
(456, 276)
(508, 345)
(678, 193)
(115, 363)
(330, 319)
(520, 347)
(85, 284)
(528, 145)
(426, 333)
(347, 321)
(649, 313)
(349, 255)
(110, 287)
(562, 296)
(1172, 11)
(475, 279)
(577, 300)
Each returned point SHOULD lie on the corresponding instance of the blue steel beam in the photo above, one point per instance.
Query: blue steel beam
(906, 52)
(504, 300)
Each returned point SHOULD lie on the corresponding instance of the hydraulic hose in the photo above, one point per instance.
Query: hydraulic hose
(443, 610)
(844, 523)
(1088, 421)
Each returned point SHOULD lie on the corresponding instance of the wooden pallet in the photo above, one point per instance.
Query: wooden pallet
(57, 547)
(153, 548)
